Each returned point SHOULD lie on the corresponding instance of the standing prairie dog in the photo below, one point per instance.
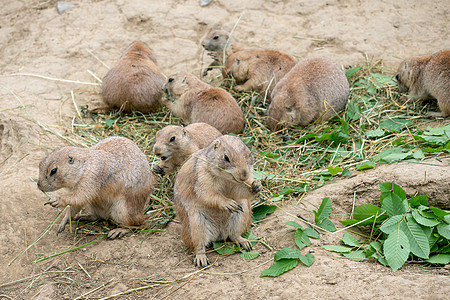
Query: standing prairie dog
(135, 83)
(220, 45)
(196, 101)
(212, 195)
(111, 179)
(174, 144)
(427, 77)
(315, 89)
(258, 70)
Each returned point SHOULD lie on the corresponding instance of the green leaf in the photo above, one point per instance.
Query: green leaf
(418, 154)
(279, 267)
(444, 230)
(442, 259)
(327, 225)
(337, 248)
(355, 255)
(375, 133)
(249, 255)
(418, 240)
(383, 80)
(350, 72)
(439, 212)
(110, 122)
(324, 210)
(301, 239)
(395, 124)
(346, 172)
(260, 212)
(392, 224)
(294, 224)
(418, 200)
(350, 240)
(381, 259)
(375, 246)
(286, 253)
(392, 199)
(349, 222)
(424, 221)
(392, 155)
(311, 233)
(365, 165)
(334, 170)
(225, 249)
(307, 259)
(396, 249)
(261, 175)
(365, 211)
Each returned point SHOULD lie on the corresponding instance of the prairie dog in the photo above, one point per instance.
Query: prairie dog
(135, 83)
(174, 144)
(212, 195)
(258, 70)
(220, 45)
(111, 179)
(427, 77)
(314, 89)
(196, 101)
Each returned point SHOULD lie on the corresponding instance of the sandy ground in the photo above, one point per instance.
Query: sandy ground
(35, 39)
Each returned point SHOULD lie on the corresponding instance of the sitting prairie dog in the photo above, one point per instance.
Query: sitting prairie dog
(212, 195)
(427, 77)
(174, 144)
(111, 179)
(220, 45)
(135, 83)
(258, 70)
(196, 101)
(315, 89)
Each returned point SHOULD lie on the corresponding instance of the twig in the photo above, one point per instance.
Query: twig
(54, 79)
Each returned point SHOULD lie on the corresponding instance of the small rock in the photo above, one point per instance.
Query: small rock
(205, 2)
(62, 6)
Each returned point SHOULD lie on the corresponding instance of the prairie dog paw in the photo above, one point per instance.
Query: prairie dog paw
(201, 260)
(53, 202)
(256, 186)
(232, 206)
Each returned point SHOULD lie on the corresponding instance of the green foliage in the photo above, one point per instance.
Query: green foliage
(261, 211)
(230, 248)
(287, 258)
(322, 213)
(405, 228)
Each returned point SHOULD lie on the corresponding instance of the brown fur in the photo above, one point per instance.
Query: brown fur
(427, 77)
(220, 45)
(135, 83)
(174, 144)
(212, 195)
(258, 70)
(111, 179)
(197, 101)
(315, 89)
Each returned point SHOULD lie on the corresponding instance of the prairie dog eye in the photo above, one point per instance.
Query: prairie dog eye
(172, 139)
(289, 109)
(53, 172)
(171, 79)
(225, 157)
(216, 37)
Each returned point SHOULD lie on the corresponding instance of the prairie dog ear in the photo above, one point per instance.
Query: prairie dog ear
(238, 61)
(216, 144)
(184, 80)
(184, 132)
(71, 160)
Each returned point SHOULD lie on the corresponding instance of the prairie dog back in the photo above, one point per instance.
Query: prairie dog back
(196, 101)
(427, 77)
(258, 70)
(135, 83)
(314, 89)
